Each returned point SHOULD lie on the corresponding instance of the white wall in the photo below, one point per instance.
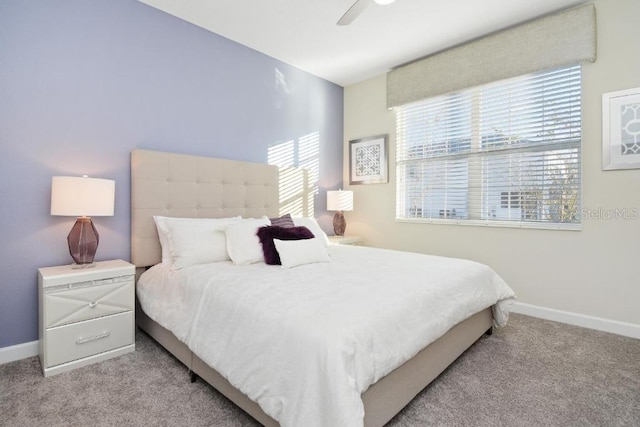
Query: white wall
(593, 272)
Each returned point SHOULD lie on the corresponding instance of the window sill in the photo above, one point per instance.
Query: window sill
(502, 224)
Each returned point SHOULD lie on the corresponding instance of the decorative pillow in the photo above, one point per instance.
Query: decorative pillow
(268, 233)
(283, 221)
(299, 252)
(312, 225)
(191, 241)
(243, 244)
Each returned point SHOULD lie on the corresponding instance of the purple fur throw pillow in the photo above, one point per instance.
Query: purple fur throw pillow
(267, 233)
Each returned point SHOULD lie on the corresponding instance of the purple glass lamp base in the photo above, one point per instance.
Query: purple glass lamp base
(83, 241)
(339, 224)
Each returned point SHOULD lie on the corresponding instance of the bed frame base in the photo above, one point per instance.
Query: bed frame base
(382, 400)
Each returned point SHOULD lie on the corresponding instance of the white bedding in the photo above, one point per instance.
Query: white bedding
(306, 342)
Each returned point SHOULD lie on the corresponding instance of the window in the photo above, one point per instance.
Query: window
(507, 153)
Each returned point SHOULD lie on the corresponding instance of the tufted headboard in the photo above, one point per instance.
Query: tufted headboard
(197, 187)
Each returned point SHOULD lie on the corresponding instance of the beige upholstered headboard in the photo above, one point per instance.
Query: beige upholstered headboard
(196, 187)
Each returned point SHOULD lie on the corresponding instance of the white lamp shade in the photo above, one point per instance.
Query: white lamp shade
(82, 196)
(340, 200)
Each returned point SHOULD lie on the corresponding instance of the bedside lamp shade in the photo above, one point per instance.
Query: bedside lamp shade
(339, 201)
(83, 198)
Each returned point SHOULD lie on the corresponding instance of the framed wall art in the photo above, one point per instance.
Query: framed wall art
(369, 160)
(621, 130)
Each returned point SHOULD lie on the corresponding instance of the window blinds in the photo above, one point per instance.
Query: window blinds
(556, 40)
(506, 151)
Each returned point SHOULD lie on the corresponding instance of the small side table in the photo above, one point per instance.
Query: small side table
(345, 240)
(86, 315)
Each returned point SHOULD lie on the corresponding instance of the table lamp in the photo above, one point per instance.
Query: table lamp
(339, 201)
(82, 197)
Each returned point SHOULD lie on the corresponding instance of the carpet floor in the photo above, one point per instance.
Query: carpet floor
(531, 373)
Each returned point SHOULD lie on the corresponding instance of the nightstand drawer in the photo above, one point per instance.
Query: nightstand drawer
(88, 300)
(84, 339)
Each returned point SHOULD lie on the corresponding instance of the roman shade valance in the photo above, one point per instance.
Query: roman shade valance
(564, 38)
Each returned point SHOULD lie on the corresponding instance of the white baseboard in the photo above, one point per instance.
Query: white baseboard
(19, 351)
(591, 322)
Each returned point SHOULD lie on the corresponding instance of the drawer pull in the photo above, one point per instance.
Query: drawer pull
(93, 304)
(97, 337)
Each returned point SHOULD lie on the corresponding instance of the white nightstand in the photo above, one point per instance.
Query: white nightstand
(345, 240)
(86, 315)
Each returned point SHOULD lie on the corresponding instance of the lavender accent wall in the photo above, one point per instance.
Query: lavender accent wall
(82, 83)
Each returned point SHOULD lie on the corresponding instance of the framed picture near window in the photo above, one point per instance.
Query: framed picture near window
(621, 130)
(369, 160)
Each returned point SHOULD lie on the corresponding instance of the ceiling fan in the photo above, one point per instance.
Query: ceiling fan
(357, 8)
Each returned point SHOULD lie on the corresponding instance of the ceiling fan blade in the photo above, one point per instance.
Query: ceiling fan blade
(353, 12)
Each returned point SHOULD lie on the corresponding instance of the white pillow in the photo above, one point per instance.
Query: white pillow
(299, 252)
(191, 241)
(243, 244)
(313, 226)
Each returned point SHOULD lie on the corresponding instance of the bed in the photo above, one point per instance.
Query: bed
(176, 185)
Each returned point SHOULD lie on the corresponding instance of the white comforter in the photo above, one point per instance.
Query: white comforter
(305, 343)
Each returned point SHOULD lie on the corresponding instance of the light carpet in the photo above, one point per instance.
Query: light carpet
(531, 373)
